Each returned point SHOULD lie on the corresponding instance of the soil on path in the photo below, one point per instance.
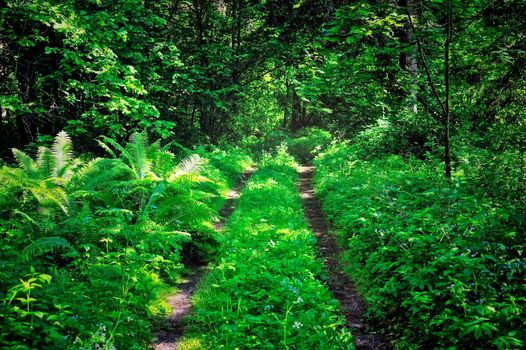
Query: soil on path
(180, 303)
(351, 304)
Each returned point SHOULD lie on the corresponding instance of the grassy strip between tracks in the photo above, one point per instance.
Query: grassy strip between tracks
(266, 292)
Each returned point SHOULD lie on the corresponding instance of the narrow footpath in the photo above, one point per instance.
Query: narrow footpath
(181, 303)
(351, 304)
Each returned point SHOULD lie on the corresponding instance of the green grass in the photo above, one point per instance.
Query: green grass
(266, 292)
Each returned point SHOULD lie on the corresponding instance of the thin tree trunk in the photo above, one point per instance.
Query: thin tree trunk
(413, 64)
(444, 105)
(447, 116)
(286, 110)
(409, 61)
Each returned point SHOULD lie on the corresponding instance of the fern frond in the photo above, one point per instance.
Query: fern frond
(138, 149)
(102, 173)
(62, 150)
(177, 233)
(13, 176)
(107, 148)
(164, 164)
(45, 245)
(25, 162)
(177, 145)
(45, 162)
(190, 165)
(124, 154)
(182, 210)
(25, 216)
(156, 194)
(189, 180)
(48, 196)
(154, 150)
(117, 212)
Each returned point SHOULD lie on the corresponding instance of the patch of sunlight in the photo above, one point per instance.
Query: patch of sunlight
(191, 344)
(270, 183)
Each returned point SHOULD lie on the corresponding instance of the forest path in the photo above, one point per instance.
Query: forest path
(181, 304)
(352, 305)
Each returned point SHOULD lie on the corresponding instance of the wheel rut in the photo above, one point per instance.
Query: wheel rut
(180, 303)
(340, 284)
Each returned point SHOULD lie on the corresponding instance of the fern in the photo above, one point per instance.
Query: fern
(107, 148)
(45, 245)
(12, 177)
(45, 162)
(25, 216)
(55, 163)
(101, 173)
(182, 210)
(190, 165)
(117, 212)
(25, 162)
(135, 154)
(47, 196)
(63, 153)
(156, 194)
(45, 192)
(124, 154)
(154, 150)
(138, 148)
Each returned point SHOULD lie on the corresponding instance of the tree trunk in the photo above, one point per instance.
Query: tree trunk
(409, 62)
(447, 116)
(286, 109)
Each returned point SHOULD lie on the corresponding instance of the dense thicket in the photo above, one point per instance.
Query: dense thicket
(440, 266)
(106, 67)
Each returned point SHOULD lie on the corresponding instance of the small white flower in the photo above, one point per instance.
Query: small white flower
(297, 325)
(299, 300)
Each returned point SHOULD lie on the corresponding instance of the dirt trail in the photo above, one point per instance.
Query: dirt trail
(168, 339)
(231, 198)
(341, 286)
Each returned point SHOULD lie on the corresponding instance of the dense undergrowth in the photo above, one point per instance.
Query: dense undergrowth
(302, 144)
(266, 290)
(439, 262)
(89, 247)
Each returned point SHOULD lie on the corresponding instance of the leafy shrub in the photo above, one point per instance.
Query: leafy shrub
(261, 144)
(407, 135)
(266, 291)
(438, 262)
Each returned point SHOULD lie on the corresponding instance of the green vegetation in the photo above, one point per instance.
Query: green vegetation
(413, 113)
(441, 263)
(89, 248)
(303, 144)
(266, 289)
